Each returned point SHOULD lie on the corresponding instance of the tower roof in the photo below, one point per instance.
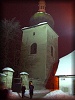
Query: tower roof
(42, 16)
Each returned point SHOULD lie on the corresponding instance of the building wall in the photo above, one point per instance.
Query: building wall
(37, 70)
(67, 84)
(52, 41)
(44, 37)
(52, 82)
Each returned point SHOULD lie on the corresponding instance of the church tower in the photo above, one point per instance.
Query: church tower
(39, 47)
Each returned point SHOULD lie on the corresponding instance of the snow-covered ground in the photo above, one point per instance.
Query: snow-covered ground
(58, 94)
(43, 94)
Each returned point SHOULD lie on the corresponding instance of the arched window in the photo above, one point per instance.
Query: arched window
(51, 51)
(33, 48)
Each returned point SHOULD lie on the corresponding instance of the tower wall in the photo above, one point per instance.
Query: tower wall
(39, 64)
(52, 41)
(38, 68)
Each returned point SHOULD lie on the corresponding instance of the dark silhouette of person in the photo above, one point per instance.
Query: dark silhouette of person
(3, 92)
(23, 90)
(31, 88)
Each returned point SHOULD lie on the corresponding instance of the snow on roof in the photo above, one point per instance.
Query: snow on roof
(25, 28)
(24, 73)
(8, 69)
(66, 65)
(42, 23)
(2, 74)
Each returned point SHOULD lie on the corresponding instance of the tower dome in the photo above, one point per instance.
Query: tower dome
(41, 16)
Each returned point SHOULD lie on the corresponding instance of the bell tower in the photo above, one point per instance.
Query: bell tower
(39, 48)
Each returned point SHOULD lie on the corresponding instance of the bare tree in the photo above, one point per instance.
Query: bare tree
(10, 32)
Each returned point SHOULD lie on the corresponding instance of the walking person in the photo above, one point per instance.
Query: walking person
(23, 90)
(31, 88)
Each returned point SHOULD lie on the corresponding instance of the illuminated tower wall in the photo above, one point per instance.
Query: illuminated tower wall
(41, 43)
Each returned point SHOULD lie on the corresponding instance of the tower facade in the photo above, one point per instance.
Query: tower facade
(39, 50)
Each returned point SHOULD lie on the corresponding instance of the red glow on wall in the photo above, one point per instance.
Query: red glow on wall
(53, 83)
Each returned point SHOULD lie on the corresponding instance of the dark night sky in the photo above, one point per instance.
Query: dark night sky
(62, 13)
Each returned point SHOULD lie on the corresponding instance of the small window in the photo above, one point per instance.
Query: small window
(33, 48)
(51, 51)
(33, 33)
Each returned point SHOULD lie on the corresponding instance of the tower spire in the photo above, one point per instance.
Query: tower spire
(42, 6)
